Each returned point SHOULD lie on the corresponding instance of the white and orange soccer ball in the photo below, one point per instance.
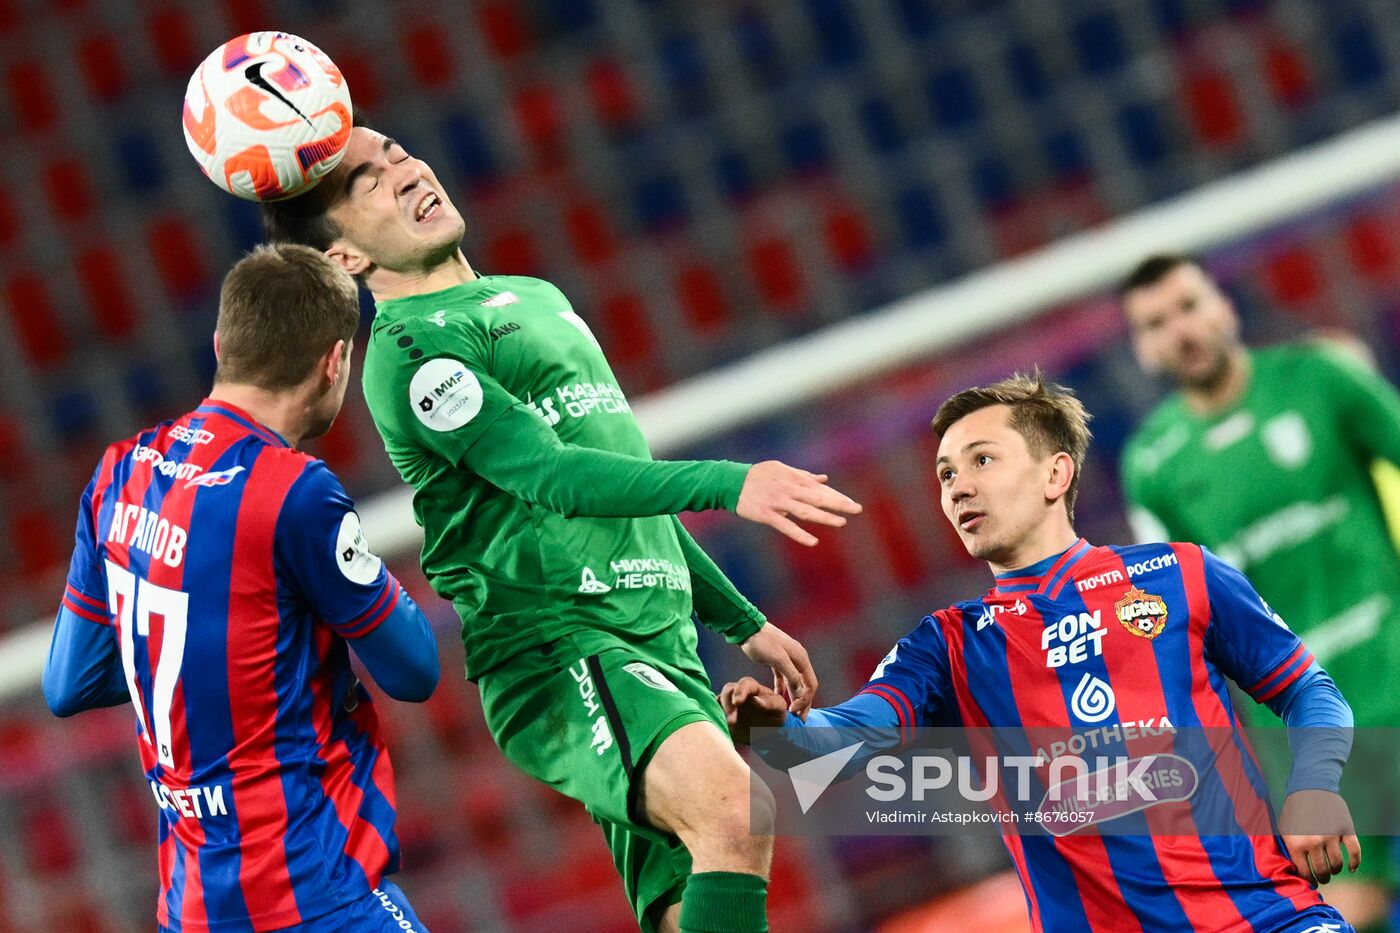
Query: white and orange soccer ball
(267, 115)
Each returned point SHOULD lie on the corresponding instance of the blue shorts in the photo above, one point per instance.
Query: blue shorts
(383, 910)
(1321, 919)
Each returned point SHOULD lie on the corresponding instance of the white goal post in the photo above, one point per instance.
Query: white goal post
(931, 322)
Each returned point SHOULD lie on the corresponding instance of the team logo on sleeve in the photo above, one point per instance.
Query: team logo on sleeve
(1142, 613)
(352, 554)
(1287, 440)
(445, 394)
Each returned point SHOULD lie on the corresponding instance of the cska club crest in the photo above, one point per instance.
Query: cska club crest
(1142, 613)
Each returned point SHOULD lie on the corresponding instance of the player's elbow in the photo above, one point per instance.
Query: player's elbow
(420, 686)
(414, 678)
(62, 699)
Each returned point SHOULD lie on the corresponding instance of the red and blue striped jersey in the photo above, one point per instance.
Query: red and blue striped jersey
(1100, 637)
(231, 569)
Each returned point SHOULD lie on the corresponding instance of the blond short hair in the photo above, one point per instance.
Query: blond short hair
(1048, 416)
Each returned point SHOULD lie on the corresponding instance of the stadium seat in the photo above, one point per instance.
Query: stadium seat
(1143, 134)
(35, 321)
(589, 231)
(614, 98)
(1294, 277)
(1372, 249)
(143, 166)
(922, 220)
(66, 185)
(171, 37)
(1288, 74)
(848, 238)
(758, 46)
(469, 144)
(512, 248)
(880, 124)
(174, 249)
(840, 42)
(503, 27)
(777, 273)
(1213, 108)
(1027, 72)
(1359, 59)
(1099, 43)
(953, 99)
(701, 295)
(659, 201)
(428, 54)
(31, 97)
(102, 67)
(110, 302)
(734, 175)
(683, 66)
(805, 147)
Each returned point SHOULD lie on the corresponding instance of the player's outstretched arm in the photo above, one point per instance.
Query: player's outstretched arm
(83, 670)
(792, 669)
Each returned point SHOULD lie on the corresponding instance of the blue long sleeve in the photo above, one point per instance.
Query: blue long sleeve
(1319, 725)
(863, 718)
(401, 653)
(84, 668)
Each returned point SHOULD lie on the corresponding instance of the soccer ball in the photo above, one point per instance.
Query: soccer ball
(267, 115)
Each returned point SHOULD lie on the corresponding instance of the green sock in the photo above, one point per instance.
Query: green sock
(725, 902)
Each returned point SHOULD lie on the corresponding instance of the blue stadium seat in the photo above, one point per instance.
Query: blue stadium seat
(880, 124)
(1172, 16)
(571, 15)
(144, 388)
(734, 175)
(73, 414)
(684, 66)
(468, 140)
(917, 18)
(1360, 60)
(838, 36)
(953, 98)
(1098, 39)
(1065, 152)
(143, 168)
(754, 36)
(805, 146)
(921, 218)
(659, 201)
(1143, 134)
(992, 180)
(1027, 72)
(243, 221)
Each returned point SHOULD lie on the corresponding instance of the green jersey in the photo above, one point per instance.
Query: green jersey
(1280, 486)
(543, 513)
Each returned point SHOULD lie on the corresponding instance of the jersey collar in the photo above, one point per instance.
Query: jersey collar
(1043, 576)
(393, 308)
(241, 418)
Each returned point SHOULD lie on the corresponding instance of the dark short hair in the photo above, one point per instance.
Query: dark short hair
(280, 309)
(1155, 268)
(302, 220)
(1048, 416)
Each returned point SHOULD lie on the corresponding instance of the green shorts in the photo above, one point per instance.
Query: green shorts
(584, 714)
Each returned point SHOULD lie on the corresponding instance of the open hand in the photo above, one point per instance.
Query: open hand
(774, 494)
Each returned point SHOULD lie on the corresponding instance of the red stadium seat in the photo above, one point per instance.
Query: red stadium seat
(541, 122)
(593, 240)
(702, 298)
(9, 220)
(902, 550)
(174, 249)
(109, 299)
(503, 28)
(172, 39)
(36, 542)
(68, 190)
(247, 16)
(1213, 108)
(31, 97)
(35, 321)
(614, 98)
(1372, 249)
(428, 54)
(101, 63)
(849, 238)
(777, 274)
(1287, 73)
(50, 841)
(1294, 277)
(512, 249)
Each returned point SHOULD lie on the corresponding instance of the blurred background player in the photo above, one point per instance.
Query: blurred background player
(554, 533)
(1009, 463)
(1265, 455)
(218, 576)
